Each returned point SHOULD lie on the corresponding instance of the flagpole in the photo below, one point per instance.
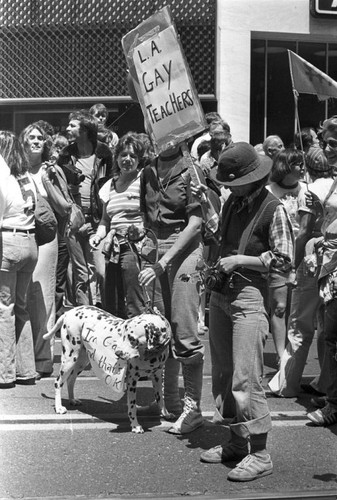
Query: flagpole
(297, 126)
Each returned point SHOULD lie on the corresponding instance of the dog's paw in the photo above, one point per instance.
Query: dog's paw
(138, 429)
(60, 410)
(75, 402)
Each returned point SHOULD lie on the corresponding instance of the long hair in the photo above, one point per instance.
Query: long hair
(47, 142)
(283, 163)
(87, 123)
(13, 153)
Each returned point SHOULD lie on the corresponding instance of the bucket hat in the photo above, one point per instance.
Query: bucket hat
(316, 160)
(239, 164)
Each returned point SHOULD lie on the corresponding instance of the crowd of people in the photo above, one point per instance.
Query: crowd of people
(271, 269)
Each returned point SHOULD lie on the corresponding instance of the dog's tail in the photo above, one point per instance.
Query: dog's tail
(56, 327)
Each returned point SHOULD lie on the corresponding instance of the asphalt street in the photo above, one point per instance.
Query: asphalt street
(90, 453)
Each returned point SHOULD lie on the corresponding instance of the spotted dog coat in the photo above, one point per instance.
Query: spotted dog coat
(141, 343)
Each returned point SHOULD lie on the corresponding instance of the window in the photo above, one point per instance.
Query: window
(272, 109)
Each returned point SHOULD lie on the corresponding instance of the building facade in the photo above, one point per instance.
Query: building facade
(60, 55)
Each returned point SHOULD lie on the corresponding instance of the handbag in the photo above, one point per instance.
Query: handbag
(45, 221)
(64, 202)
(76, 219)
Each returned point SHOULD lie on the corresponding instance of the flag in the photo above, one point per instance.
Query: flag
(307, 79)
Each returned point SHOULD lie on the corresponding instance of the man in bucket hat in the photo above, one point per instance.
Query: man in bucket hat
(256, 239)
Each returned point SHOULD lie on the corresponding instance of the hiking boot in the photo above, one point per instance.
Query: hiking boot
(318, 401)
(224, 453)
(190, 419)
(323, 417)
(252, 467)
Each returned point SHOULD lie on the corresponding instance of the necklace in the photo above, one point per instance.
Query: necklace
(284, 186)
(163, 186)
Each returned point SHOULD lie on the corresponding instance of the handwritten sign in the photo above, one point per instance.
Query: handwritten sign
(106, 365)
(163, 82)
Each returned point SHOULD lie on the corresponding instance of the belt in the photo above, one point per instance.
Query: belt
(14, 230)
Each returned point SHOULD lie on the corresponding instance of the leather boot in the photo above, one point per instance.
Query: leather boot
(191, 417)
(171, 387)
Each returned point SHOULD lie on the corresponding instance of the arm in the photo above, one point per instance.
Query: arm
(229, 264)
(307, 221)
(102, 229)
(56, 188)
(184, 239)
(280, 255)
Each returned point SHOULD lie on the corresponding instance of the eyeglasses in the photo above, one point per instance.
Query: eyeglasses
(332, 143)
(297, 164)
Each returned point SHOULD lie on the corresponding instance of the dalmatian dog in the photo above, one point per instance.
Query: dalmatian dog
(120, 352)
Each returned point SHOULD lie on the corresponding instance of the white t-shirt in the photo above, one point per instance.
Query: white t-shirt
(320, 188)
(86, 165)
(123, 208)
(17, 199)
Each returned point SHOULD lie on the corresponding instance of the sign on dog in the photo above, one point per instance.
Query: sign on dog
(107, 366)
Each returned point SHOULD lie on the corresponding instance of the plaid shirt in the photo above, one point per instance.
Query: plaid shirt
(280, 257)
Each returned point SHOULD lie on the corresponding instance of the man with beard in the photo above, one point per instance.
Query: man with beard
(87, 164)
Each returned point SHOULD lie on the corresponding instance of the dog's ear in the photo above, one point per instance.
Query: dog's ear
(158, 334)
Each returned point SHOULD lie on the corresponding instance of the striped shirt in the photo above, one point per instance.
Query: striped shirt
(122, 208)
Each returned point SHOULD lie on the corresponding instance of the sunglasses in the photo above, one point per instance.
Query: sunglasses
(332, 143)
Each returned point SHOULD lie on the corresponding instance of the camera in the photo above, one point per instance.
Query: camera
(108, 245)
(216, 280)
(73, 174)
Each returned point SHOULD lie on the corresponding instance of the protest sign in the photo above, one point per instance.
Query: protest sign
(101, 350)
(162, 81)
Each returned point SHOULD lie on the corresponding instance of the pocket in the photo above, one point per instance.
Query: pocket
(11, 255)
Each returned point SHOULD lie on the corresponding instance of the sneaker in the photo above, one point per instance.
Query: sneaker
(325, 416)
(40, 375)
(252, 467)
(7, 385)
(190, 419)
(223, 453)
(318, 401)
(26, 381)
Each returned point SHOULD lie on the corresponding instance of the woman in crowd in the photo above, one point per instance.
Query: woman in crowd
(256, 240)
(124, 296)
(287, 170)
(171, 212)
(18, 257)
(306, 307)
(41, 293)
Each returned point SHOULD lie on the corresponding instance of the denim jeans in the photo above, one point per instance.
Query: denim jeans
(88, 267)
(306, 306)
(330, 332)
(238, 328)
(41, 304)
(124, 297)
(18, 257)
(177, 298)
